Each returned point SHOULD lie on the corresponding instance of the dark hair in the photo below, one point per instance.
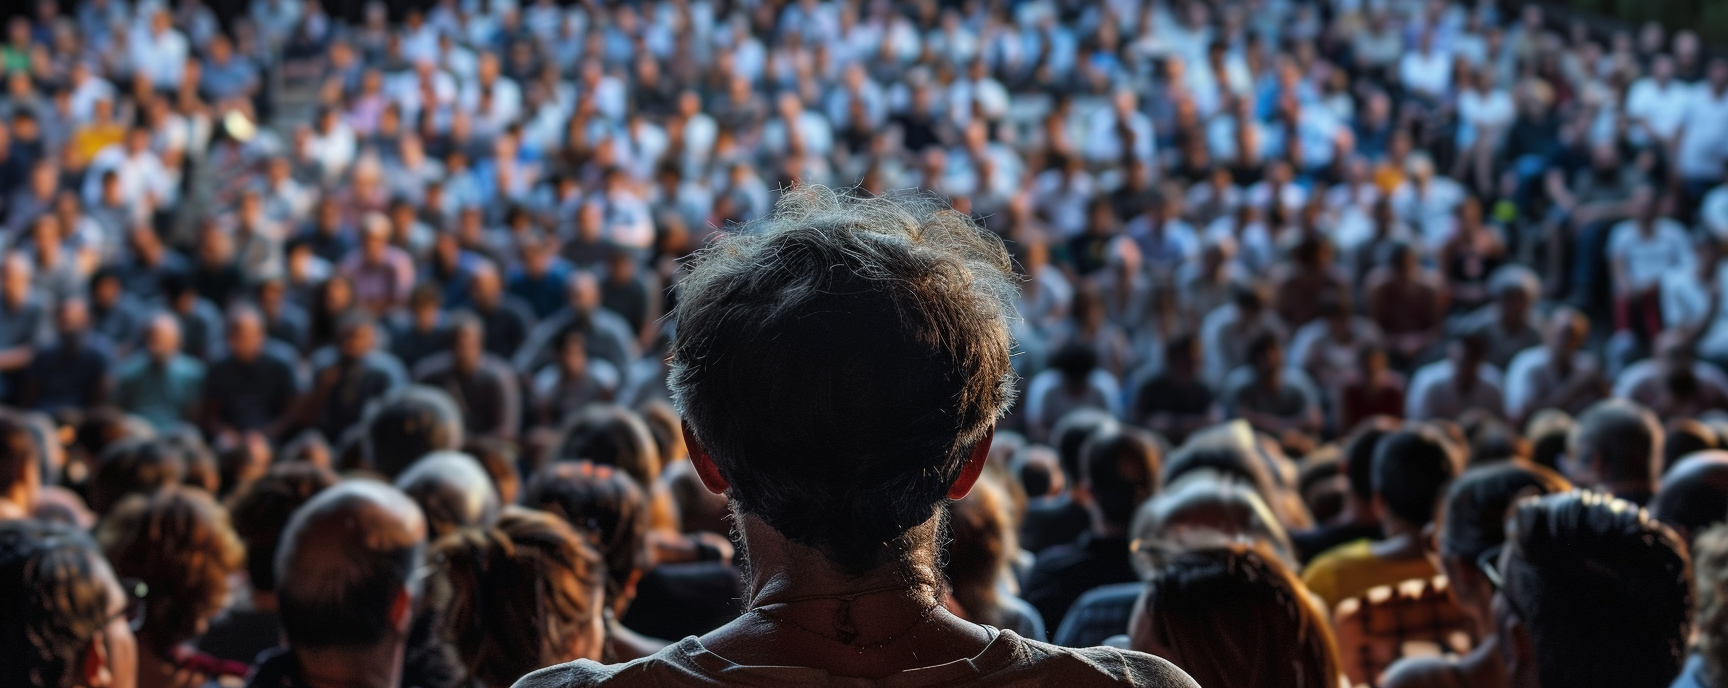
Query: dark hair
(605, 505)
(1694, 494)
(134, 466)
(261, 508)
(1476, 504)
(17, 452)
(612, 435)
(1074, 360)
(453, 491)
(410, 423)
(514, 595)
(1235, 616)
(178, 542)
(1120, 470)
(1229, 450)
(344, 557)
(52, 602)
(839, 361)
(1686, 436)
(1603, 589)
(1070, 434)
(1359, 454)
(1411, 468)
(1623, 436)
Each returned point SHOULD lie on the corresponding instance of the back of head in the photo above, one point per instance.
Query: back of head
(1476, 505)
(520, 595)
(602, 503)
(612, 435)
(1119, 468)
(1548, 431)
(1411, 467)
(453, 491)
(178, 542)
(344, 559)
(1229, 450)
(261, 509)
(134, 466)
(1621, 438)
(839, 360)
(1694, 494)
(19, 465)
(1235, 617)
(1359, 454)
(408, 424)
(1603, 590)
(53, 601)
(1070, 434)
(1200, 514)
(1683, 437)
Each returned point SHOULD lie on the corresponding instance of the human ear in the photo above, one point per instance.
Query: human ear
(96, 673)
(705, 468)
(974, 465)
(402, 610)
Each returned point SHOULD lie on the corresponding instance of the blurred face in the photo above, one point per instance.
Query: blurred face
(467, 346)
(164, 339)
(15, 280)
(357, 341)
(246, 338)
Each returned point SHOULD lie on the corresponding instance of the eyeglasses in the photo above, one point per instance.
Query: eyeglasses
(135, 592)
(1489, 563)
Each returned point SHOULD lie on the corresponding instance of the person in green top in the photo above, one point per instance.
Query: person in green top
(161, 384)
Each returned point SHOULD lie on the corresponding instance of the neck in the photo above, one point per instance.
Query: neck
(781, 569)
(373, 667)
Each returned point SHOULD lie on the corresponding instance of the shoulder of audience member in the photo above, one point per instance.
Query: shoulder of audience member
(1106, 666)
(579, 674)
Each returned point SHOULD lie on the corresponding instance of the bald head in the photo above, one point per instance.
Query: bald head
(345, 567)
(453, 490)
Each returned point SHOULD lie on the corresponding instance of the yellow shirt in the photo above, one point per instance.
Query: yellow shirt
(1351, 569)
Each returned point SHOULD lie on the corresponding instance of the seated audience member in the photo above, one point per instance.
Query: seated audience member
(259, 511)
(844, 582)
(1408, 303)
(342, 389)
(1235, 616)
(1473, 523)
(613, 435)
(1615, 449)
(1683, 437)
(574, 381)
(1273, 398)
(1330, 349)
(1073, 381)
(1119, 469)
(482, 385)
(408, 424)
(1411, 468)
(453, 492)
(1227, 333)
(20, 468)
(1060, 519)
(519, 595)
(134, 466)
(161, 384)
(65, 619)
(1507, 323)
(1694, 494)
(1375, 390)
(612, 510)
(424, 330)
(177, 543)
(75, 369)
(1359, 518)
(1559, 374)
(1176, 402)
(1674, 383)
(1464, 381)
(1592, 592)
(980, 544)
(348, 585)
(250, 389)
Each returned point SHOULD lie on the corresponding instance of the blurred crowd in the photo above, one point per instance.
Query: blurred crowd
(251, 252)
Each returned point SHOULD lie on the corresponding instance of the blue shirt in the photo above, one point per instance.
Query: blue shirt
(163, 393)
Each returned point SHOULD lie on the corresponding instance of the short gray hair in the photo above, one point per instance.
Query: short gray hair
(839, 358)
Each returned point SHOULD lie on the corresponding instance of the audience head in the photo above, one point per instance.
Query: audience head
(519, 595)
(980, 543)
(134, 466)
(64, 619)
(345, 570)
(1118, 471)
(1235, 616)
(1682, 437)
(410, 423)
(260, 511)
(609, 508)
(452, 490)
(20, 469)
(1694, 494)
(1411, 469)
(611, 435)
(1593, 592)
(791, 325)
(1615, 446)
(1204, 513)
(1474, 521)
(177, 541)
(1359, 450)
(1070, 433)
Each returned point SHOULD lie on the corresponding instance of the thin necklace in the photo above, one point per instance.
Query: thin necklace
(845, 630)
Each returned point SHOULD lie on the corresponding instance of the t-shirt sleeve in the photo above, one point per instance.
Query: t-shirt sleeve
(578, 674)
(1136, 669)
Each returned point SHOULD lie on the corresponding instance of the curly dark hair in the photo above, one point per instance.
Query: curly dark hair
(604, 504)
(52, 602)
(260, 511)
(177, 541)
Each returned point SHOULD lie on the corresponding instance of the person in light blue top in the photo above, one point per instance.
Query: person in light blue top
(161, 384)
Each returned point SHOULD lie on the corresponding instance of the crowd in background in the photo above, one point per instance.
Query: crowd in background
(1293, 274)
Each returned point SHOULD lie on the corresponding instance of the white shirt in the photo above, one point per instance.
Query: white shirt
(160, 56)
(1686, 302)
(1104, 144)
(1704, 142)
(1433, 394)
(1529, 377)
(1480, 112)
(1637, 373)
(1661, 107)
(1432, 213)
(1429, 74)
(1649, 258)
(1714, 211)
